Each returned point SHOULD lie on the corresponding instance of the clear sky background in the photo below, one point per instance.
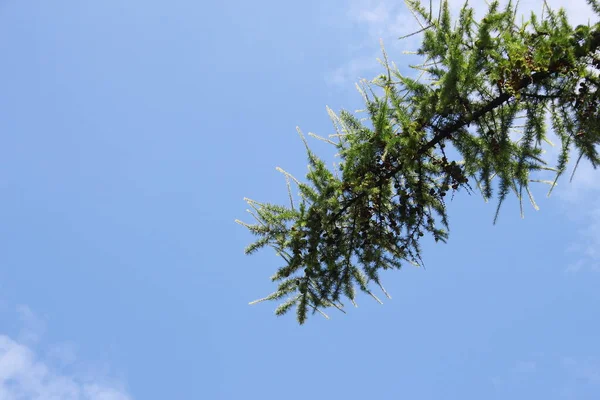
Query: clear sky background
(131, 131)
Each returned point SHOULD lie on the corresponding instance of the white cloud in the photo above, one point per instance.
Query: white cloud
(24, 375)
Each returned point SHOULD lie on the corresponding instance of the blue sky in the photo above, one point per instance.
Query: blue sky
(132, 130)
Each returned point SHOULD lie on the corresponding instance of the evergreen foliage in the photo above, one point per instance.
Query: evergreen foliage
(490, 86)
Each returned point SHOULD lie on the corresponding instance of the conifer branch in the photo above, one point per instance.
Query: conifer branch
(479, 78)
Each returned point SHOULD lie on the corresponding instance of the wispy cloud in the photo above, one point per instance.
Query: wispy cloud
(519, 372)
(33, 326)
(585, 371)
(581, 376)
(25, 375)
(377, 20)
(578, 201)
(585, 249)
(523, 367)
(568, 377)
(354, 70)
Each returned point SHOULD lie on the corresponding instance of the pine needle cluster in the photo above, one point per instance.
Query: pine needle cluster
(485, 91)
